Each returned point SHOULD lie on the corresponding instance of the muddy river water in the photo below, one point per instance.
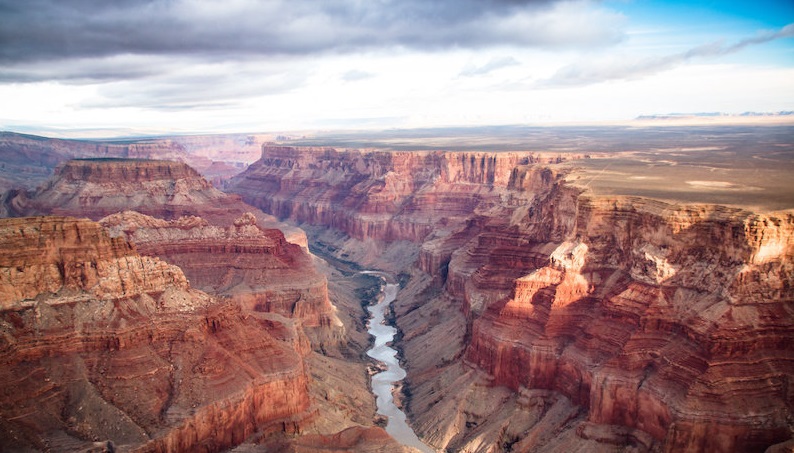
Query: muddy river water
(383, 382)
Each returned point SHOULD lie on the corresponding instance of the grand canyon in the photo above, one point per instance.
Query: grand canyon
(560, 289)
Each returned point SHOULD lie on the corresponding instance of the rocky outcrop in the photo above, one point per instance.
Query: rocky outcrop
(100, 344)
(644, 319)
(26, 161)
(50, 255)
(611, 321)
(29, 160)
(100, 187)
(96, 188)
(384, 196)
(358, 439)
(255, 267)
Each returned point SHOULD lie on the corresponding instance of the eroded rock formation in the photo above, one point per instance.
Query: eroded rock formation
(100, 344)
(539, 317)
(26, 161)
(96, 188)
(214, 382)
(29, 160)
(257, 268)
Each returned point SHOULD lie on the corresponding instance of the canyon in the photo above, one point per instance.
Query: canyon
(27, 161)
(540, 316)
(539, 307)
(171, 317)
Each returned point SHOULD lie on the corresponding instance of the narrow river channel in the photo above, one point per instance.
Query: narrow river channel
(383, 382)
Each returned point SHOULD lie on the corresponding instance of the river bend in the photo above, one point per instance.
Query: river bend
(383, 382)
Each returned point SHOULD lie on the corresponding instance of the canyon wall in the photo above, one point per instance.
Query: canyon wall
(26, 161)
(104, 347)
(385, 196)
(225, 246)
(29, 160)
(535, 307)
(256, 268)
(185, 320)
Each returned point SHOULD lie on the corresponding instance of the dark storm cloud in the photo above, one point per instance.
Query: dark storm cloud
(41, 30)
(626, 68)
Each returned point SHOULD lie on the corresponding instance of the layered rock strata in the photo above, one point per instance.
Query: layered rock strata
(100, 187)
(225, 246)
(102, 345)
(375, 195)
(241, 257)
(96, 188)
(614, 322)
(26, 161)
(257, 268)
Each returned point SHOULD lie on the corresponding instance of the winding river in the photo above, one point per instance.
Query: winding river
(383, 382)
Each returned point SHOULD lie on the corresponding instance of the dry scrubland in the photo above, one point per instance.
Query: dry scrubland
(747, 165)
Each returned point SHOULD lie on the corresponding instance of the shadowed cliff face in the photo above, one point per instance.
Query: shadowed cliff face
(534, 308)
(375, 195)
(99, 343)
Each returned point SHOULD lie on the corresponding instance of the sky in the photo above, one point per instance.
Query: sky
(195, 66)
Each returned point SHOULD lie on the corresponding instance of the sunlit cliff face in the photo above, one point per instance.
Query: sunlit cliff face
(616, 320)
(771, 237)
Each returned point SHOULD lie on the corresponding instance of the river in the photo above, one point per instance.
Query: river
(383, 382)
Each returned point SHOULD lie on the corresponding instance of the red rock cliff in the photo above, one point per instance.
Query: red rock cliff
(372, 194)
(614, 321)
(256, 267)
(672, 321)
(114, 347)
(99, 187)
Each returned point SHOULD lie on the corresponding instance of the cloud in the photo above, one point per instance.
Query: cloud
(172, 55)
(492, 65)
(355, 75)
(200, 85)
(51, 30)
(631, 68)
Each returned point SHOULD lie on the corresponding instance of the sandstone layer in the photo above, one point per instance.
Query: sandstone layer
(540, 317)
(102, 346)
(243, 260)
(96, 188)
(29, 160)
(256, 268)
(215, 238)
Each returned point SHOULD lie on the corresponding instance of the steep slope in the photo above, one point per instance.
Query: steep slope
(235, 253)
(100, 344)
(257, 268)
(29, 160)
(218, 231)
(26, 161)
(100, 187)
(542, 318)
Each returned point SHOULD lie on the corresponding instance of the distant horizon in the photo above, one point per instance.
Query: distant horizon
(674, 119)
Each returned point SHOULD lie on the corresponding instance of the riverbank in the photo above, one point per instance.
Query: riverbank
(383, 383)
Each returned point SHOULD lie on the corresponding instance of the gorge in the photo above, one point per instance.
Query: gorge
(563, 319)
(537, 311)
(384, 381)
